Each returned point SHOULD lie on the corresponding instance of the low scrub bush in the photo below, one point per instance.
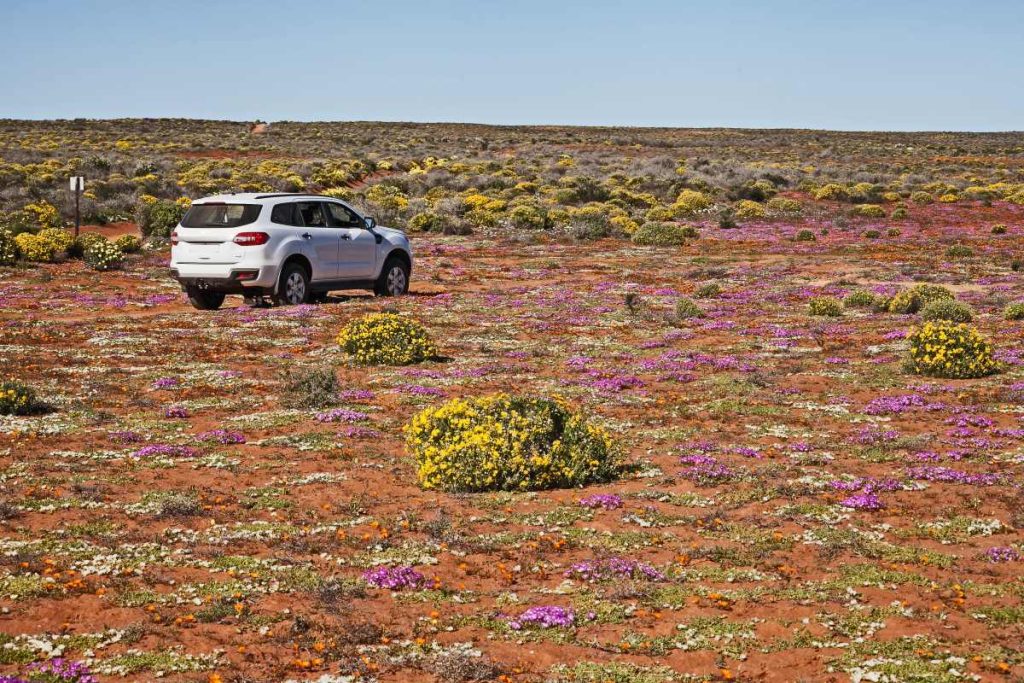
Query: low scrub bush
(959, 251)
(832, 192)
(687, 309)
(17, 399)
(805, 235)
(157, 218)
(129, 244)
(950, 350)
(663, 234)
(749, 209)
(828, 306)
(1014, 311)
(999, 229)
(869, 211)
(912, 300)
(509, 443)
(103, 255)
(708, 290)
(921, 197)
(386, 339)
(859, 299)
(899, 213)
(60, 239)
(426, 222)
(310, 388)
(947, 309)
(8, 247)
(690, 202)
(783, 205)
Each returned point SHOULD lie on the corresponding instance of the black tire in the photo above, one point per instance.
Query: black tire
(293, 287)
(204, 300)
(318, 298)
(394, 278)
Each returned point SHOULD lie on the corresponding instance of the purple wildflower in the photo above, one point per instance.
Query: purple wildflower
(1002, 554)
(163, 449)
(394, 578)
(614, 567)
(863, 501)
(166, 383)
(545, 617)
(608, 501)
(176, 412)
(62, 671)
(223, 436)
(341, 415)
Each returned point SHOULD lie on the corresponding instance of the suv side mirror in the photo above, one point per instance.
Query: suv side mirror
(371, 223)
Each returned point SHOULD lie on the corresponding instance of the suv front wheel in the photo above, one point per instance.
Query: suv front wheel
(293, 287)
(394, 278)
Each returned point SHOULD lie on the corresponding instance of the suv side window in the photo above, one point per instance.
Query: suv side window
(340, 216)
(284, 214)
(310, 214)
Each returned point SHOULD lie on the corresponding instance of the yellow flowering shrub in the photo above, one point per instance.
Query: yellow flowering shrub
(783, 205)
(828, 306)
(386, 339)
(16, 398)
(61, 239)
(951, 350)
(869, 211)
(45, 214)
(748, 208)
(690, 202)
(832, 192)
(508, 443)
(663, 234)
(32, 247)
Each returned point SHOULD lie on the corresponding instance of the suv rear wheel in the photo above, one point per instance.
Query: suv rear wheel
(203, 299)
(394, 278)
(293, 287)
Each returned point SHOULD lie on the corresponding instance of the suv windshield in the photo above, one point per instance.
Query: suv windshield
(220, 215)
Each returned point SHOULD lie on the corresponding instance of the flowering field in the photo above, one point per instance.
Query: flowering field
(795, 501)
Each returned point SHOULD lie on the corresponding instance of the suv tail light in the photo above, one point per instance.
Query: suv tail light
(174, 238)
(251, 239)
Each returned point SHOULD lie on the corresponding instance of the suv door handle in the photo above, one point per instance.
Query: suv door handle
(346, 236)
(306, 236)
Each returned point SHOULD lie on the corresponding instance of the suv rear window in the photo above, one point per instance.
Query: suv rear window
(220, 215)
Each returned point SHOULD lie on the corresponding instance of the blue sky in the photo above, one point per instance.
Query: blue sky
(860, 65)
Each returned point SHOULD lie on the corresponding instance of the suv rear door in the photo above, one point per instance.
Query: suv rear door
(308, 220)
(207, 230)
(357, 257)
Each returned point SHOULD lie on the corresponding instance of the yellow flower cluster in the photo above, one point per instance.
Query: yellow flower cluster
(386, 339)
(61, 239)
(16, 398)
(33, 247)
(508, 443)
(917, 297)
(950, 350)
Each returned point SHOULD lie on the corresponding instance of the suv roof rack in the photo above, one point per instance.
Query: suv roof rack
(286, 194)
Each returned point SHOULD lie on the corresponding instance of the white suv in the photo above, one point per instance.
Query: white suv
(294, 248)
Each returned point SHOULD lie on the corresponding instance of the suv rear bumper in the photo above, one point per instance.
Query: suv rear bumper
(233, 280)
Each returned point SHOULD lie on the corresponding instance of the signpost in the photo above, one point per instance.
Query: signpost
(77, 185)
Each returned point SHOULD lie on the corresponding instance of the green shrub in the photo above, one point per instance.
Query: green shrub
(869, 211)
(708, 290)
(158, 218)
(509, 443)
(426, 222)
(872, 234)
(805, 235)
(386, 339)
(922, 198)
(917, 297)
(859, 299)
(687, 309)
(893, 232)
(783, 205)
(950, 350)
(1014, 311)
(103, 256)
(17, 399)
(527, 217)
(663, 234)
(899, 213)
(310, 388)
(8, 247)
(947, 309)
(129, 244)
(999, 229)
(727, 218)
(959, 251)
(825, 306)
